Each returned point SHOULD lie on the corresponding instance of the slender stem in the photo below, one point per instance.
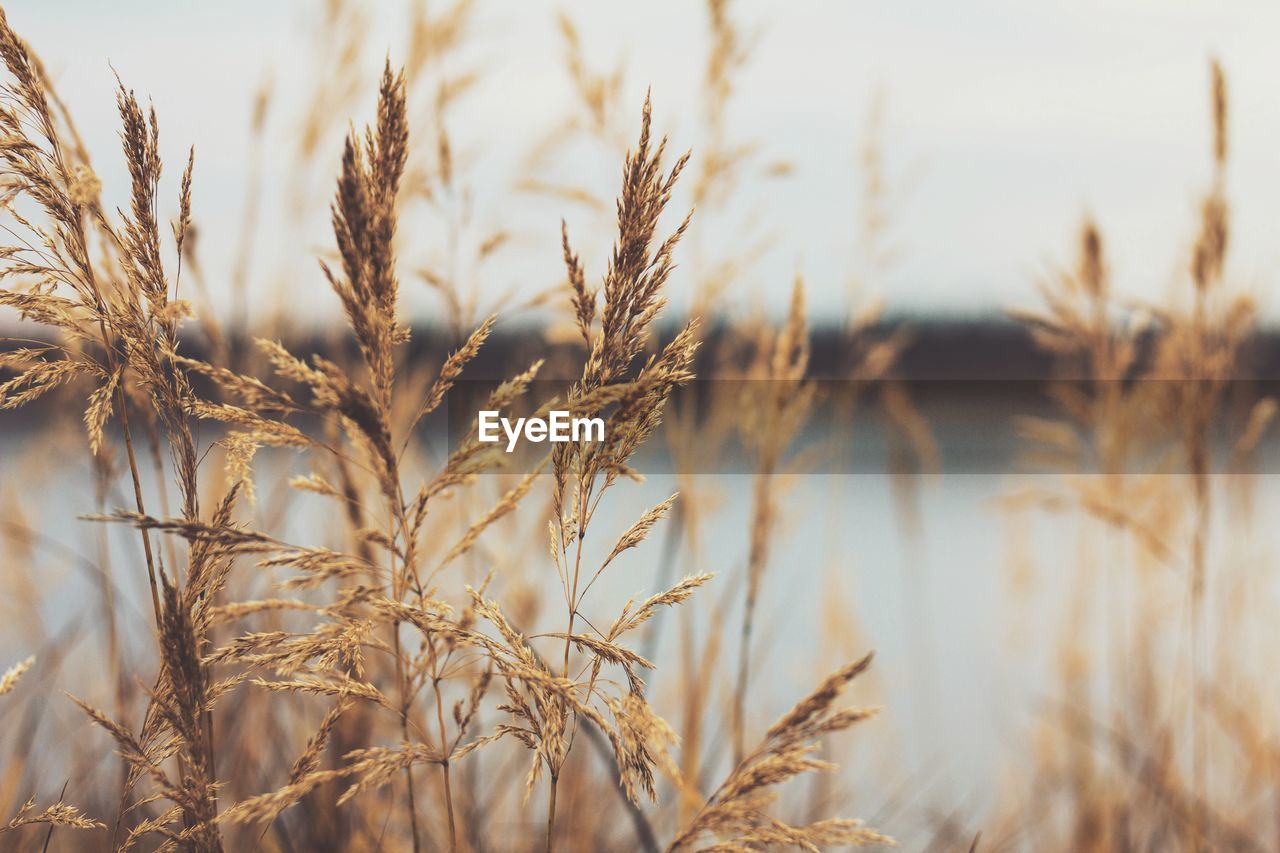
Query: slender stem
(755, 568)
(551, 812)
(573, 606)
(568, 644)
(102, 476)
(744, 671)
(1198, 451)
(137, 497)
(128, 436)
(444, 767)
(1198, 580)
(404, 731)
(162, 490)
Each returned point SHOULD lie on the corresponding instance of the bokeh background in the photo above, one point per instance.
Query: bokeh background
(1000, 123)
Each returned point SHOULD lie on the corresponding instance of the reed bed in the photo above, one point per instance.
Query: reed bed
(309, 626)
(414, 667)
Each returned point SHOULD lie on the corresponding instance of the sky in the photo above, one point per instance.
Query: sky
(1002, 124)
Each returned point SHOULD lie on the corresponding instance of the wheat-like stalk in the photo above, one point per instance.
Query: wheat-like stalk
(420, 667)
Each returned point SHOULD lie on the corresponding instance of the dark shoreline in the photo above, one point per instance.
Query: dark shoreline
(934, 349)
(970, 380)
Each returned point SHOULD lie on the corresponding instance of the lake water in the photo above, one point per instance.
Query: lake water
(964, 628)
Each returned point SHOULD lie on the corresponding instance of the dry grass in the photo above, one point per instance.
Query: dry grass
(417, 670)
(1145, 756)
(311, 629)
